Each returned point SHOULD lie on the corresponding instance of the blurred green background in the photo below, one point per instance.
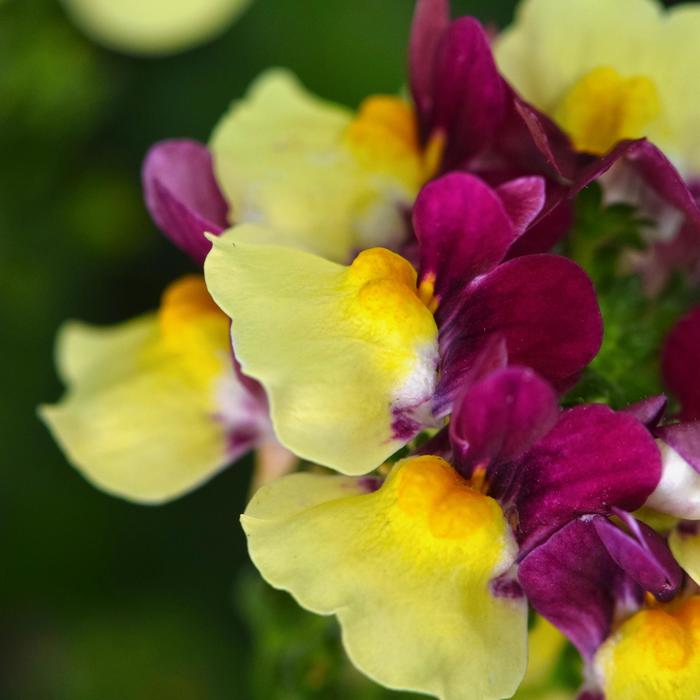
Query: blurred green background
(101, 599)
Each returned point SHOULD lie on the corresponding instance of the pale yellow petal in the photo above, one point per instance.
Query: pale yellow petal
(407, 571)
(282, 160)
(686, 549)
(153, 26)
(344, 353)
(152, 405)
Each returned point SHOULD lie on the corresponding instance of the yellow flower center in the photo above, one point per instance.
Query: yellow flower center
(383, 137)
(193, 327)
(432, 491)
(385, 299)
(603, 108)
(655, 654)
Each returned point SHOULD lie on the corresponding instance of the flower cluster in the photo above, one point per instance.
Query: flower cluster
(397, 316)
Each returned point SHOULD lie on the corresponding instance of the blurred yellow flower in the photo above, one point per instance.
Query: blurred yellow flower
(153, 26)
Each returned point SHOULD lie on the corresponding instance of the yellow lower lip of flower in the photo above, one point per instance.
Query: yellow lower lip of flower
(408, 580)
(603, 108)
(342, 351)
(654, 654)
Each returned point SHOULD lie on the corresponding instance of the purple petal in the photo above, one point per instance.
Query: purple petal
(573, 582)
(469, 93)
(648, 411)
(182, 195)
(684, 438)
(431, 18)
(463, 230)
(545, 308)
(661, 175)
(593, 460)
(680, 363)
(501, 417)
(642, 554)
(523, 200)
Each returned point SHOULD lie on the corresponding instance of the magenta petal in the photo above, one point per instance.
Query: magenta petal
(648, 411)
(680, 363)
(684, 438)
(523, 199)
(595, 459)
(501, 417)
(469, 93)
(573, 582)
(431, 18)
(642, 554)
(463, 231)
(545, 308)
(182, 195)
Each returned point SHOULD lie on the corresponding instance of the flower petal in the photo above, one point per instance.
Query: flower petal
(678, 490)
(182, 195)
(463, 230)
(501, 417)
(593, 460)
(642, 554)
(149, 416)
(545, 308)
(523, 199)
(347, 355)
(685, 545)
(406, 569)
(284, 159)
(153, 26)
(572, 581)
(431, 19)
(649, 411)
(681, 356)
(653, 654)
(469, 94)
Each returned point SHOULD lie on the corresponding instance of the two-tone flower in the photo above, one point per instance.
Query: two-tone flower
(357, 360)
(421, 568)
(154, 406)
(612, 75)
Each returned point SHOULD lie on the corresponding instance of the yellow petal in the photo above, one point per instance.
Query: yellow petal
(347, 355)
(654, 654)
(407, 571)
(286, 159)
(686, 549)
(153, 26)
(545, 647)
(151, 403)
(553, 45)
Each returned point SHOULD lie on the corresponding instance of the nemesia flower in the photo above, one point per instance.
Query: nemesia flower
(154, 406)
(357, 359)
(153, 26)
(615, 590)
(419, 568)
(587, 64)
(680, 362)
(319, 176)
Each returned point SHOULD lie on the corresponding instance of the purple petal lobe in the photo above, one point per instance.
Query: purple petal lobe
(463, 230)
(661, 175)
(642, 554)
(680, 363)
(469, 93)
(501, 417)
(545, 308)
(573, 582)
(431, 19)
(684, 438)
(523, 199)
(182, 195)
(593, 460)
(648, 411)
